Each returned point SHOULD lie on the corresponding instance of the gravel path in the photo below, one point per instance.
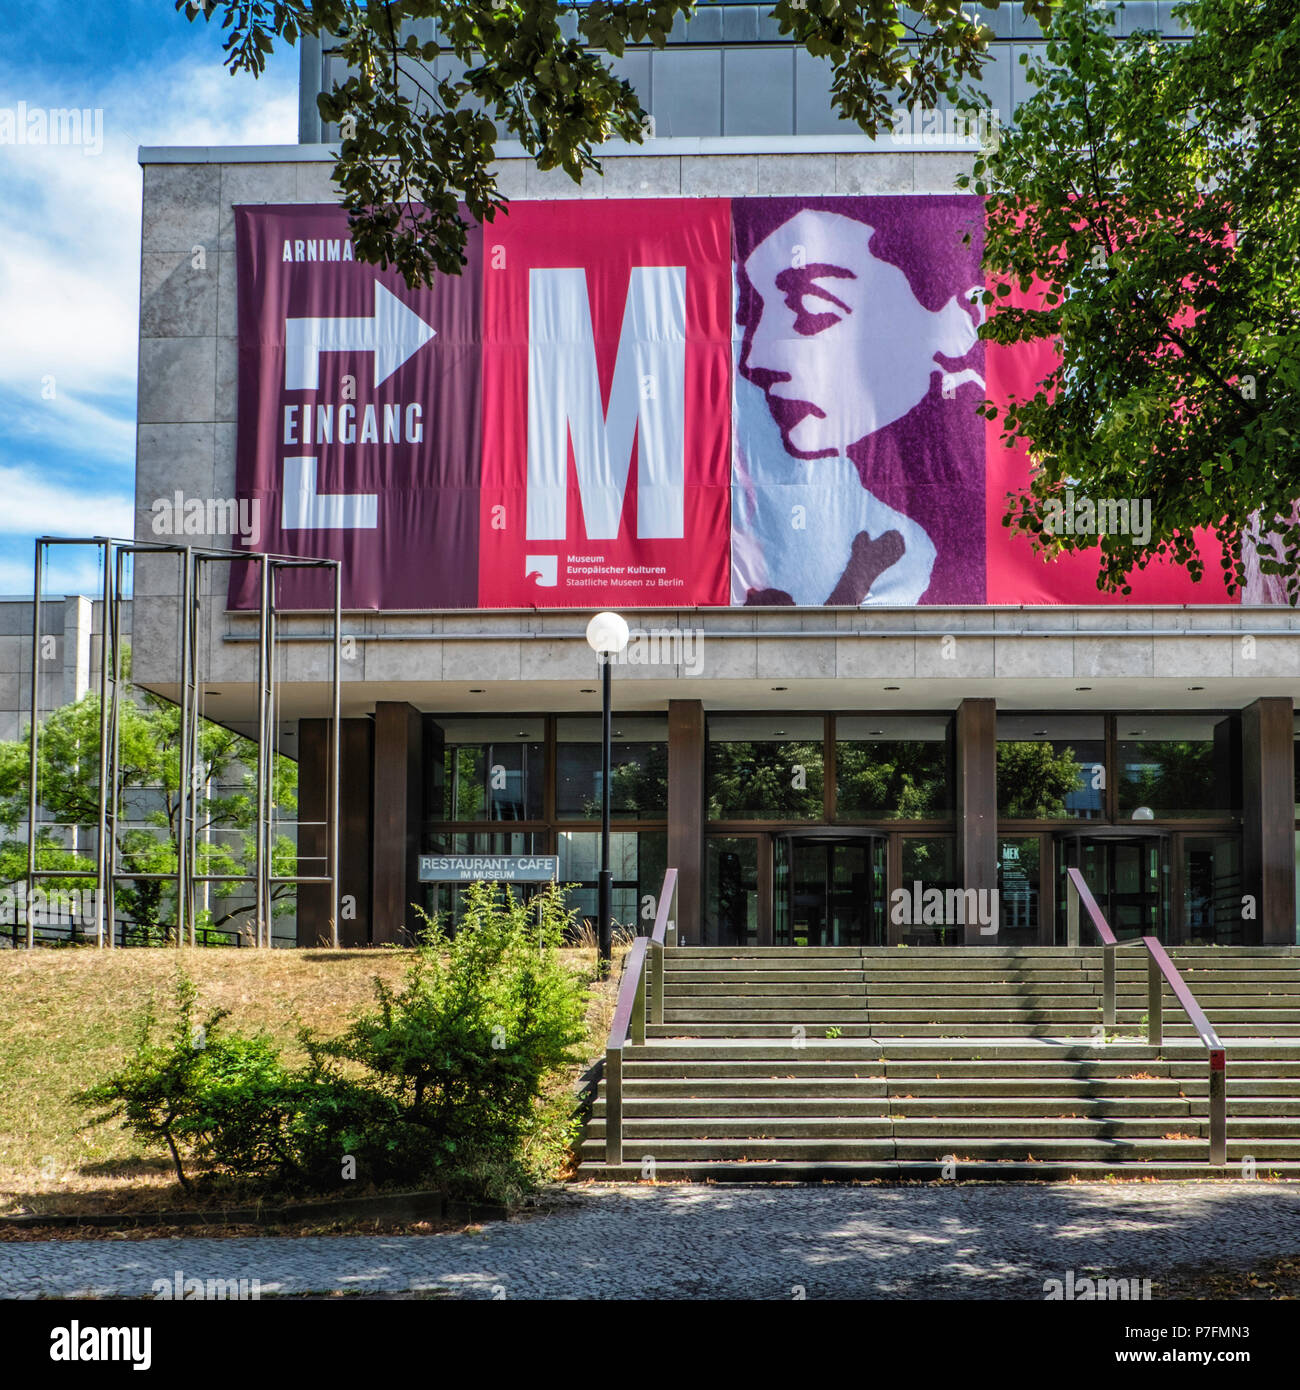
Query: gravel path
(970, 1241)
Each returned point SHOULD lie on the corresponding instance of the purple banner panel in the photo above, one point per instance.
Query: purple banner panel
(359, 416)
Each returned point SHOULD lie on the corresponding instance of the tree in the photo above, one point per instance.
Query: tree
(414, 143)
(148, 809)
(1034, 779)
(1146, 207)
(1175, 777)
(765, 780)
(907, 779)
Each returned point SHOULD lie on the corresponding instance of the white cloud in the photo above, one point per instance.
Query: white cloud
(36, 506)
(72, 572)
(70, 245)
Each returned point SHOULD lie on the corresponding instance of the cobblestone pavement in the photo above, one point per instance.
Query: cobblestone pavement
(701, 1242)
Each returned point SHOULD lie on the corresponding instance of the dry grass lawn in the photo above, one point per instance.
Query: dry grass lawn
(69, 1016)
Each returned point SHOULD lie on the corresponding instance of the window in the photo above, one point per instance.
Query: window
(639, 762)
(891, 768)
(765, 767)
(1296, 761)
(1212, 890)
(638, 860)
(1178, 766)
(487, 769)
(927, 862)
(1051, 767)
(447, 898)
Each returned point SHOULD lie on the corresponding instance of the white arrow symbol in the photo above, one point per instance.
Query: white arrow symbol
(394, 333)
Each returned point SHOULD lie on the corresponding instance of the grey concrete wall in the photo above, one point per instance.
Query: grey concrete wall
(70, 629)
(946, 652)
(730, 70)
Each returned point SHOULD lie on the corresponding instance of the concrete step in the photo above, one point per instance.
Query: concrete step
(808, 1015)
(721, 954)
(1069, 985)
(1075, 1083)
(780, 1047)
(821, 1082)
(1187, 1127)
(916, 1170)
(751, 1030)
(1130, 983)
(825, 1093)
(682, 994)
(953, 1030)
(786, 975)
(923, 1011)
(1044, 1149)
(873, 1103)
(793, 1073)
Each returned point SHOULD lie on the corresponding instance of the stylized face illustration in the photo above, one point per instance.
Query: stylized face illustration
(839, 344)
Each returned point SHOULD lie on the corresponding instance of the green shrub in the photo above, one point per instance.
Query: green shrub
(444, 1080)
(464, 1048)
(222, 1097)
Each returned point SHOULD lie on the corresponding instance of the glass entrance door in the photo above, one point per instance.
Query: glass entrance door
(828, 891)
(1128, 875)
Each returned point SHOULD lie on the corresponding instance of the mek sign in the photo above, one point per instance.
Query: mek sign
(492, 868)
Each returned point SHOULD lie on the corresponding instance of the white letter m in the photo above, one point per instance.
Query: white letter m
(564, 402)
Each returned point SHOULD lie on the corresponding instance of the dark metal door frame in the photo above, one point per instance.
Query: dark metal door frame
(828, 837)
(1167, 920)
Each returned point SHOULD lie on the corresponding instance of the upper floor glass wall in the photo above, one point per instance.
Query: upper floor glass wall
(730, 71)
(893, 768)
(1121, 767)
(490, 769)
(639, 768)
(1182, 766)
(766, 767)
(1051, 767)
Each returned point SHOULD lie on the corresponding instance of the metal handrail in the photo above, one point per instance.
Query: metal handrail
(630, 1010)
(1160, 968)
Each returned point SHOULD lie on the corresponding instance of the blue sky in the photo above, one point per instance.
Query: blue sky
(70, 250)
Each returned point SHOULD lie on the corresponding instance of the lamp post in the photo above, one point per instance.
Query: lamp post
(607, 636)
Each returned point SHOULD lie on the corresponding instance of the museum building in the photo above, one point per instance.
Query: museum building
(727, 390)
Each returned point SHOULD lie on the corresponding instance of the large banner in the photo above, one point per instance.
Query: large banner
(646, 403)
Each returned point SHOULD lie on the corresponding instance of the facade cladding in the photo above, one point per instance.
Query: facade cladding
(844, 678)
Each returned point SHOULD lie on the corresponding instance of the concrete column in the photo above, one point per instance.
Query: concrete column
(397, 796)
(686, 813)
(78, 616)
(1268, 819)
(977, 803)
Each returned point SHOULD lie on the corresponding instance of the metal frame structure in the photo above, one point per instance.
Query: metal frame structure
(628, 1027)
(194, 562)
(1160, 969)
